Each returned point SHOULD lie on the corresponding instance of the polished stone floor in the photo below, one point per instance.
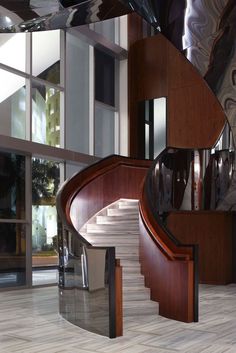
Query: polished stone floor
(41, 277)
(29, 323)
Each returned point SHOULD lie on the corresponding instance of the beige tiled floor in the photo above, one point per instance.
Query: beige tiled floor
(30, 323)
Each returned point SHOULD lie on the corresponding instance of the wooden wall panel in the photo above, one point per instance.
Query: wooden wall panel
(200, 124)
(213, 232)
(135, 28)
(157, 69)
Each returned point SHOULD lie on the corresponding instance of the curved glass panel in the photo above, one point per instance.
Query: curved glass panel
(86, 285)
(191, 179)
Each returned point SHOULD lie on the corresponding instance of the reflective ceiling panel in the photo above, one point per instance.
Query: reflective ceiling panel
(39, 15)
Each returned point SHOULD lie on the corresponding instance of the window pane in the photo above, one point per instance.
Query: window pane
(10, 44)
(12, 105)
(159, 123)
(12, 186)
(104, 131)
(45, 183)
(106, 28)
(46, 55)
(12, 255)
(77, 94)
(45, 114)
(104, 78)
(73, 168)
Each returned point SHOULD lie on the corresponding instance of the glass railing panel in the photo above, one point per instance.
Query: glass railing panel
(190, 180)
(86, 285)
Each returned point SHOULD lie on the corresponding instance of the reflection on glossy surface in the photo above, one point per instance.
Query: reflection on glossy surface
(86, 285)
(12, 255)
(190, 180)
(38, 15)
(205, 31)
(12, 186)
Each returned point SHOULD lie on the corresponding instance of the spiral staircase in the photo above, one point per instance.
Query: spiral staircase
(90, 288)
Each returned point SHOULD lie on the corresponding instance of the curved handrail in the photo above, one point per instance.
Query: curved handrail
(68, 191)
(171, 248)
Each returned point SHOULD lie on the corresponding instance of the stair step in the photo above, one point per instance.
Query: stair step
(120, 211)
(133, 294)
(136, 308)
(131, 270)
(113, 227)
(129, 202)
(128, 282)
(114, 219)
(112, 232)
(126, 257)
(133, 276)
(128, 262)
(128, 206)
(96, 241)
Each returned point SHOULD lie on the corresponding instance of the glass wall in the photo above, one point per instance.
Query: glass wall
(104, 131)
(45, 114)
(61, 92)
(10, 44)
(46, 48)
(77, 94)
(104, 78)
(34, 88)
(12, 105)
(12, 220)
(105, 104)
(45, 183)
(108, 28)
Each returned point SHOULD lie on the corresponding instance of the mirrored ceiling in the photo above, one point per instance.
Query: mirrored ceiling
(40, 15)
